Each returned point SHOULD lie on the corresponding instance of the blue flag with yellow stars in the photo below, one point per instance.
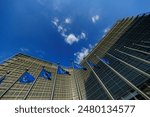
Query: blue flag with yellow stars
(78, 66)
(26, 78)
(45, 74)
(105, 60)
(62, 71)
(93, 65)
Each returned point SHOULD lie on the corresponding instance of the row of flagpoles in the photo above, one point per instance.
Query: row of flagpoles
(28, 78)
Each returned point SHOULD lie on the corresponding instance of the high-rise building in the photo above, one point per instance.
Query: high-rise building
(121, 71)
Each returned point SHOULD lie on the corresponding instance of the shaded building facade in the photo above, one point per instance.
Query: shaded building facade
(127, 76)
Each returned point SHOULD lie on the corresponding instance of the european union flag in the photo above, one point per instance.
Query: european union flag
(92, 64)
(2, 78)
(62, 71)
(45, 74)
(26, 78)
(105, 60)
(77, 66)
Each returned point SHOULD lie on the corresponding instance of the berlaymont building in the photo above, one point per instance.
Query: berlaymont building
(118, 68)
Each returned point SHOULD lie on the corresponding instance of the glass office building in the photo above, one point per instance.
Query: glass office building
(122, 70)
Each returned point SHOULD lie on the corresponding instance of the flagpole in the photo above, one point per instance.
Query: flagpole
(53, 88)
(10, 87)
(76, 82)
(101, 83)
(125, 80)
(136, 69)
(15, 80)
(4, 76)
(29, 90)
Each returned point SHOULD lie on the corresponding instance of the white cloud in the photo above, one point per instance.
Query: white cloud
(80, 55)
(82, 35)
(24, 49)
(62, 31)
(60, 28)
(71, 38)
(96, 44)
(90, 46)
(105, 31)
(55, 21)
(83, 53)
(95, 18)
(68, 21)
(63, 34)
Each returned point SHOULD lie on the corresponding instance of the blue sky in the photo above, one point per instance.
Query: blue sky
(60, 30)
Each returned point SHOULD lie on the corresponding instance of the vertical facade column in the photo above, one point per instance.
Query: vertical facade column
(140, 59)
(100, 82)
(147, 47)
(53, 88)
(76, 82)
(125, 80)
(136, 69)
(146, 42)
(137, 50)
